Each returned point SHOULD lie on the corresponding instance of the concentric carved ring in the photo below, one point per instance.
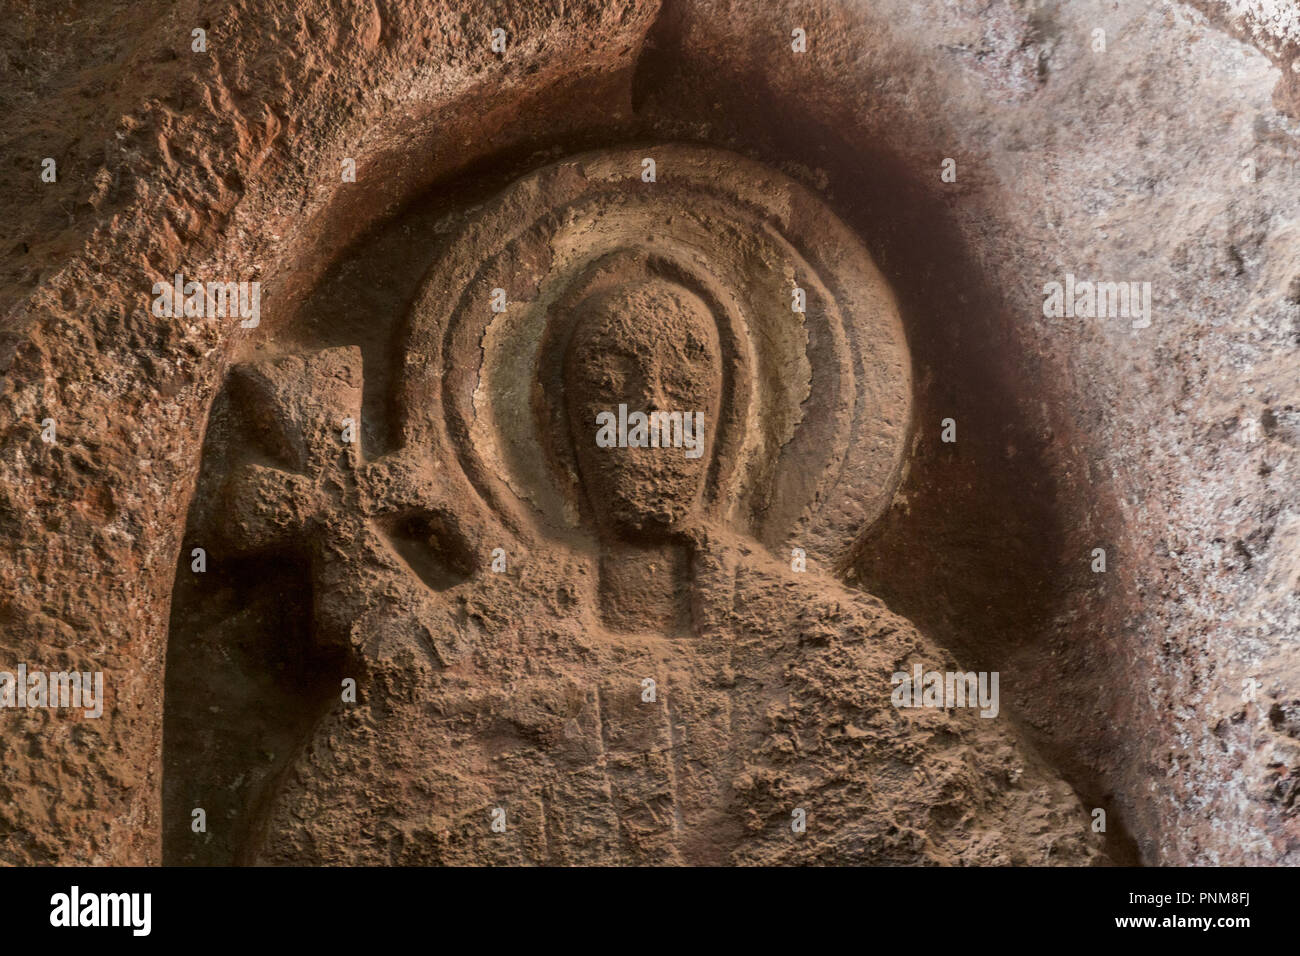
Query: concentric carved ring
(814, 405)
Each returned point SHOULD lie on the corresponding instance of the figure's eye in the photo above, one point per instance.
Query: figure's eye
(610, 376)
(618, 375)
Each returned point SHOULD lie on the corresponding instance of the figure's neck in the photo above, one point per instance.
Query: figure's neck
(645, 587)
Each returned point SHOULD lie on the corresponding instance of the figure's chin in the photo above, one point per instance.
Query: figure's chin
(640, 527)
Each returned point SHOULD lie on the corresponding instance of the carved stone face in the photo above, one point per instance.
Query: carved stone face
(651, 346)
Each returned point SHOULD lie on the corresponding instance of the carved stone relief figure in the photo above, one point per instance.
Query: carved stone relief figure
(589, 598)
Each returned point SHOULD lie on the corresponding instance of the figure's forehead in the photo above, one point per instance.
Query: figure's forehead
(651, 319)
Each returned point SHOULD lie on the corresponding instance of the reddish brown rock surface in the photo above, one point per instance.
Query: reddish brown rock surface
(1164, 691)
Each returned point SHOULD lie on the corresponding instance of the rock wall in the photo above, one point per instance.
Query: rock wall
(1164, 690)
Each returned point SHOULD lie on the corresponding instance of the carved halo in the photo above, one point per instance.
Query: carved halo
(816, 405)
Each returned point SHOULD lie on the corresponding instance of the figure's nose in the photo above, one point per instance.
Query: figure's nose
(644, 392)
(655, 396)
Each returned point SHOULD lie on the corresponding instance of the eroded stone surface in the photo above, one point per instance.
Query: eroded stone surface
(1173, 447)
(522, 689)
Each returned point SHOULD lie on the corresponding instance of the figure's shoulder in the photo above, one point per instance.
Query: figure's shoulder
(742, 587)
(817, 665)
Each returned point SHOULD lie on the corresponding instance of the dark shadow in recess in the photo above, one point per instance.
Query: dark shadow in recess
(245, 682)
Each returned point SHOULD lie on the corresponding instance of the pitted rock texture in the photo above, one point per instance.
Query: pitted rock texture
(1163, 691)
(521, 689)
